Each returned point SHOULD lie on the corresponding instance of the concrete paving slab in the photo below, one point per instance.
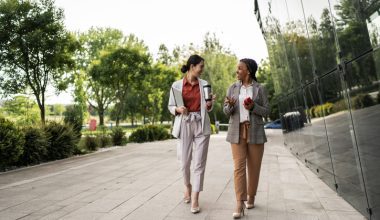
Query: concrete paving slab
(143, 181)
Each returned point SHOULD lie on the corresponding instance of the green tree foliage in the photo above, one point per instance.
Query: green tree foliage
(219, 71)
(297, 57)
(58, 109)
(265, 77)
(21, 109)
(93, 42)
(164, 56)
(161, 80)
(119, 70)
(35, 48)
(80, 96)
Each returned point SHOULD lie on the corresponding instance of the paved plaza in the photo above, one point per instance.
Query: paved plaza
(143, 181)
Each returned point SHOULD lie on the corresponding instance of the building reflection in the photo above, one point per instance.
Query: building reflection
(325, 59)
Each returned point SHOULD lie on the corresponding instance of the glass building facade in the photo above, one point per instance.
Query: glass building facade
(325, 60)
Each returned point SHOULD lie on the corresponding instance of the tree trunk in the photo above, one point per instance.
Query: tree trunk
(42, 113)
(41, 106)
(133, 119)
(101, 117)
(117, 121)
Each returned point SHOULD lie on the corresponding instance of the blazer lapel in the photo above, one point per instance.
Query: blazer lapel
(237, 91)
(255, 90)
(203, 104)
(236, 96)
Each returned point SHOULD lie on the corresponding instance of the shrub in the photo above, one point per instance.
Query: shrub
(312, 113)
(62, 140)
(91, 143)
(35, 147)
(104, 140)
(11, 143)
(149, 133)
(362, 101)
(81, 148)
(118, 136)
(339, 106)
(318, 111)
(327, 108)
(74, 117)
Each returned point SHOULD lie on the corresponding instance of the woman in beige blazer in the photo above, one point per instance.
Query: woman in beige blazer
(191, 126)
(246, 132)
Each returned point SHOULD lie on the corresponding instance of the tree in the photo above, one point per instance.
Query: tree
(164, 56)
(80, 96)
(35, 48)
(161, 80)
(58, 109)
(93, 42)
(119, 70)
(265, 77)
(219, 71)
(354, 40)
(21, 109)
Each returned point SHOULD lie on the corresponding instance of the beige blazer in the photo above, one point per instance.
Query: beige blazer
(206, 125)
(260, 109)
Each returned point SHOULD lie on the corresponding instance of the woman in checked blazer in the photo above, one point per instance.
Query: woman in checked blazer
(246, 132)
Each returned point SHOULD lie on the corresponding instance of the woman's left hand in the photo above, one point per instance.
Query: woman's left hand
(249, 106)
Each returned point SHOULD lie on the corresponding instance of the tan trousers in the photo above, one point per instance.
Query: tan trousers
(247, 159)
(191, 133)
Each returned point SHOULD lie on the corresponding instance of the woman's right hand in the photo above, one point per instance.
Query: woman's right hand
(181, 110)
(230, 101)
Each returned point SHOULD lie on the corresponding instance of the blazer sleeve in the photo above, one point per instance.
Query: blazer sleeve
(227, 109)
(264, 108)
(172, 105)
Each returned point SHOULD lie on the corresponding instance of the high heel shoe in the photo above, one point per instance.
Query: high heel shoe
(248, 205)
(187, 199)
(237, 215)
(195, 210)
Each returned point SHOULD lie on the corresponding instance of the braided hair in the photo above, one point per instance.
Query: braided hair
(251, 66)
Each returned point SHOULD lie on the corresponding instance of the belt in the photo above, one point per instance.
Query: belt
(193, 116)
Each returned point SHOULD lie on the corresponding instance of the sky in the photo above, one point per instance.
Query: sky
(171, 22)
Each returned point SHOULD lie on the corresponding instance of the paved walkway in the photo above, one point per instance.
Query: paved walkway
(142, 181)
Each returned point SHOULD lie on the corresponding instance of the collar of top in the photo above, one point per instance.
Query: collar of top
(185, 81)
(241, 84)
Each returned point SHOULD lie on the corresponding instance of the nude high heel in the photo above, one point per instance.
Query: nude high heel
(237, 215)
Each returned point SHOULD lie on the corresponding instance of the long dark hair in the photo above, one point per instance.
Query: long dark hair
(193, 59)
(252, 67)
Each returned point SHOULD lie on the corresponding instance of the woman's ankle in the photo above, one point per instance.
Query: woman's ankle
(251, 199)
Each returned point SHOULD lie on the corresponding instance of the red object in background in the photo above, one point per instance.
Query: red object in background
(92, 124)
(248, 101)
